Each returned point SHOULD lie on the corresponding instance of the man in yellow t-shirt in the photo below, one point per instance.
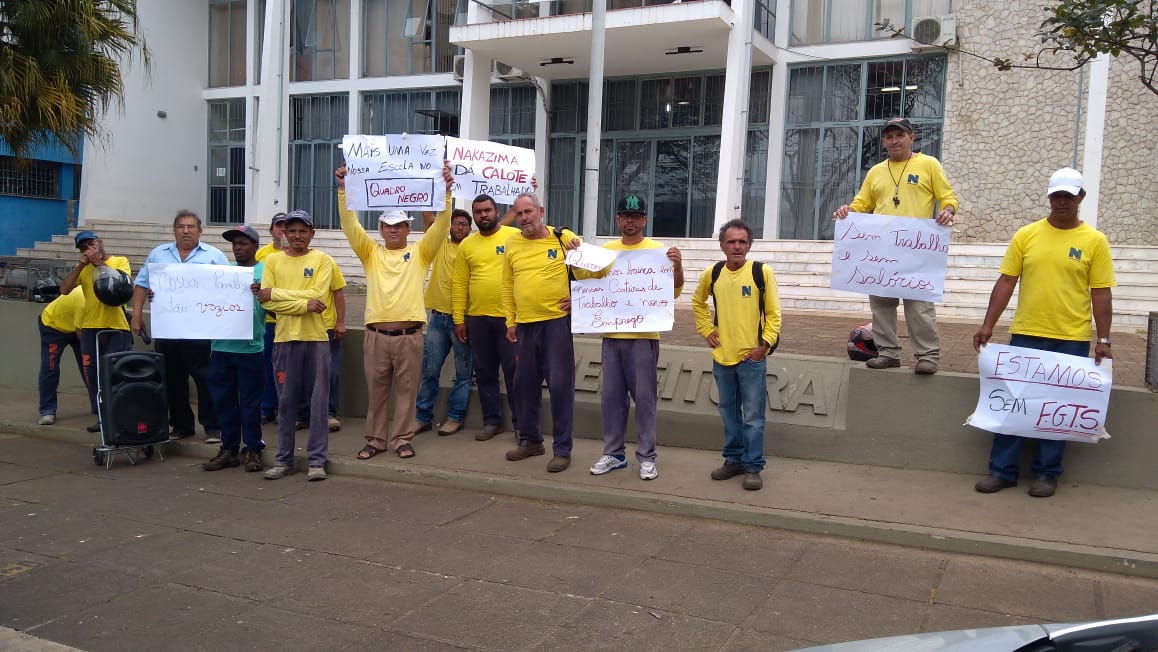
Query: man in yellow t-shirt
(907, 184)
(631, 360)
(742, 335)
(297, 285)
(1066, 273)
(59, 324)
(392, 349)
(536, 295)
(477, 311)
(98, 317)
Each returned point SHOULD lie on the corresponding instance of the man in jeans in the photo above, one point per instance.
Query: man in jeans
(440, 340)
(59, 326)
(236, 373)
(742, 335)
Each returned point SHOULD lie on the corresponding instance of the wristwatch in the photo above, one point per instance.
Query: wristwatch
(1104, 340)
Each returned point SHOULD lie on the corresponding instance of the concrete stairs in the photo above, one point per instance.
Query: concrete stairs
(801, 266)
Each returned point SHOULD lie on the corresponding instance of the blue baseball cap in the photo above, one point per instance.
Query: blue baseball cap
(85, 235)
(301, 216)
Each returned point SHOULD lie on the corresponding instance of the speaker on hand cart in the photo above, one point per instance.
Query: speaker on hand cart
(133, 406)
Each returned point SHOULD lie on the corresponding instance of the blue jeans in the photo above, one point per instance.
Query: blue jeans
(743, 391)
(438, 343)
(236, 382)
(52, 345)
(1047, 462)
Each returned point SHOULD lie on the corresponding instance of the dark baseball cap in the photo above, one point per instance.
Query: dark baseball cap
(85, 235)
(902, 123)
(277, 217)
(245, 230)
(300, 216)
(632, 204)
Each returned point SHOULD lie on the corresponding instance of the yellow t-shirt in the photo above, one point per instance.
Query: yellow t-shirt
(438, 288)
(1057, 269)
(737, 312)
(647, 243)
(65, 312)
(922, 187)
(263, 253)
(295, 280)
(97, 314)
(477, 287)
(394, 277)
(535, 278)
(337, 282)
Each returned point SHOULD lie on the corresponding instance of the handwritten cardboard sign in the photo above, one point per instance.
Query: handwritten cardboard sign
(484, 168)
(394, 171)
(888, 256)
(201, 302)
(1033, 393)
(590, 257)
(636, 296)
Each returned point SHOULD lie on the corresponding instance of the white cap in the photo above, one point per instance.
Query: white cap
(394, 217)
(1066, 180)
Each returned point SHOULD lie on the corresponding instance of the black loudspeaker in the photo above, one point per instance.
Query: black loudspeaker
(133, 406)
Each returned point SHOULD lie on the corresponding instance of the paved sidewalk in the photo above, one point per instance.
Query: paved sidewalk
(1084, 525)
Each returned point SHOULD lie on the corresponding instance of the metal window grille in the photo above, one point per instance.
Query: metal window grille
(226, 168)
(31, 179)
(318, 123)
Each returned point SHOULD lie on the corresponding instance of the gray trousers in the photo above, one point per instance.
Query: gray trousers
(302, 369)
(629, 373)
(921, 318)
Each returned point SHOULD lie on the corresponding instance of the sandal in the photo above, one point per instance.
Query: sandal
(405, 451)
(369, 451)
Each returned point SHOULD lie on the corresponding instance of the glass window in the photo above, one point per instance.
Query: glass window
(317, 124)
(833, 133)
(840, 21)
(319, 39)
(227, 43)
(512, 112)
(405, 37)
(259, 38)
(29, 178)
(226, 169)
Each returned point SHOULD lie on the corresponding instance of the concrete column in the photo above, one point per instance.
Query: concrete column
(267, 126)
(474, 120)
(777, 116)
(737, 84)
(1095, 137)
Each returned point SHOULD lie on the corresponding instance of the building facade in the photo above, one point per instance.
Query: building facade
(38, 196)
(765, 109)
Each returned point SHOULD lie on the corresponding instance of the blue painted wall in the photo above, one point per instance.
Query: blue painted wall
(24, 221)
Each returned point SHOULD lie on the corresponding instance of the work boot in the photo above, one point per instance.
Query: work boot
(752, 481)
(334, 424)
(253, 462)
(993, 484)
(223, 460)
(489, 431)
(558, 463)
(526, 449)
(449, 427)
(882, 362)
(1043, 487)
(727, 471)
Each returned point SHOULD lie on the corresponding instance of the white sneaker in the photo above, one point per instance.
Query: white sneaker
(278, 472)
(47, 419)
(608, 463)
(316, 473)
(647, 471)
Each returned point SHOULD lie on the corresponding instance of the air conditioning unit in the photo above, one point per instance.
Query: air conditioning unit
(507, 73)
(934, 31)
(459, 66)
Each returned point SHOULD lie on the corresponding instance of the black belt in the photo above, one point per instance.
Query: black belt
(405, 331)
(439, 312)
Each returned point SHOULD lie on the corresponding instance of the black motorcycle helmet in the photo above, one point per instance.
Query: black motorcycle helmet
(112, 286)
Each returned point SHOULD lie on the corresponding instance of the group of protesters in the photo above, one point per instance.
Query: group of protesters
(499, 299)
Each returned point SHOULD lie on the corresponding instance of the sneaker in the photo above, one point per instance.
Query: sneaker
(647, 471)
(223, 460)
(316, 473)
(882, 362)
(727, 471)
(47, 419)
(489, 431)
(526, 449)
(212, 436)
(993, 484)
(607, 464)
(925, 367)
(449, 427)
(279, 472)
(253, 462)
(334, 424)
(752, 481)
(1043, 487)
(422, 426)
(558, 464)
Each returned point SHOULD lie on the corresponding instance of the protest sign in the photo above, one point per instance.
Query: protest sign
(636, 296)
(201, 302)
(1041, 394)
(590, 257)
(889, 256)
(394, 171)
(484, 168)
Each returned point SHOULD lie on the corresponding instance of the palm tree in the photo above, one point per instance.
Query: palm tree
(60, 68)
